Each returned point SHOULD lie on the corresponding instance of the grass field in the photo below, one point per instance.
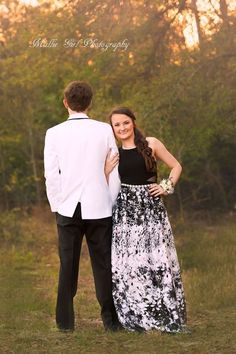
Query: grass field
(28, 283)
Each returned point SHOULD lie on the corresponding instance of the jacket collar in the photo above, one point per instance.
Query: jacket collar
(77, 115)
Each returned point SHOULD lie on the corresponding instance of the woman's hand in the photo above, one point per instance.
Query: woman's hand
(111, 162)
(156, 190)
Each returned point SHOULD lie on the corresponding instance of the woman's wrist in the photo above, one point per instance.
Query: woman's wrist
(167, 185)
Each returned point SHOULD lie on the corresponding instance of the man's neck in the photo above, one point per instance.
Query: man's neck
(74, 112)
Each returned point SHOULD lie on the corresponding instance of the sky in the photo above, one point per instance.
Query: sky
(30, 2)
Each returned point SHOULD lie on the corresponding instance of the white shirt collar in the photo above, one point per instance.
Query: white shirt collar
(77, 115)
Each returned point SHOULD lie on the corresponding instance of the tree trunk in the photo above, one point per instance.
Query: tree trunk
(224, 12)
(216, 179)
(4, 180)
(34, 165)
(198, 23)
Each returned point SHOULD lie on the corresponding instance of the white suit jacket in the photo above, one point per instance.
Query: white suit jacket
(74, 158)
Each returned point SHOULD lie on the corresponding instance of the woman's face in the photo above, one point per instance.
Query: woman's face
(123, 126)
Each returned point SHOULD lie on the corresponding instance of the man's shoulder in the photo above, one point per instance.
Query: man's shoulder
(56, 127)
(100, 123)
(93, 123)
(103, 126)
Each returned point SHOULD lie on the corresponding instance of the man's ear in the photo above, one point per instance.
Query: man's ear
(65, 103)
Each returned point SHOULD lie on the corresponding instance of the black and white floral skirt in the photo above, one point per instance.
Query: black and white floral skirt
(147, 286)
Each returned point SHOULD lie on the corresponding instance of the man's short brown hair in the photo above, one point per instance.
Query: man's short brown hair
(78, 95)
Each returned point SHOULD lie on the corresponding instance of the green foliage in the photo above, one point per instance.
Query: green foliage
(183, 96)
(10, 228)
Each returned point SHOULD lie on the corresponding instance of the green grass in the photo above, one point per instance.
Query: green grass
(28, 282)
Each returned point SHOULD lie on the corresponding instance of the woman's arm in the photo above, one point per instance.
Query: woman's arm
(161, 153)
(110, 163)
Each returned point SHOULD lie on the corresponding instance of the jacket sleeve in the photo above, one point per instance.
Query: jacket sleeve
(114, 179)
(51, 172)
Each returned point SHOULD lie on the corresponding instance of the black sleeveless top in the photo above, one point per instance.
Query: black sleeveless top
(132, 168)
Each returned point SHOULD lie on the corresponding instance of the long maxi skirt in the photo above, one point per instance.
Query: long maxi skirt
(147, 286)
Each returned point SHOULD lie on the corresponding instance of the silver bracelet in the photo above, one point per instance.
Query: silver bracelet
(167, 185)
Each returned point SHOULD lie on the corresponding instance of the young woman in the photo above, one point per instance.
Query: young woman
(147, 287)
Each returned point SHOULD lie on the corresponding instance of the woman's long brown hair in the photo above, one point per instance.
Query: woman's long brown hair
(139, 139)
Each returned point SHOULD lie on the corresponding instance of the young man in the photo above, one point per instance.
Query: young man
(78, 192)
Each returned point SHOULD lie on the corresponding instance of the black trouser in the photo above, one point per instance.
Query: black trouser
(98, 235)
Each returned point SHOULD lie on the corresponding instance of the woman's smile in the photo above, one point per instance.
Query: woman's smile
(123, 126)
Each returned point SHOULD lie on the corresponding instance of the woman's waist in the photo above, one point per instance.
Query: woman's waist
(137, 193)
(136, 188)
(139, 180)
(135, 185)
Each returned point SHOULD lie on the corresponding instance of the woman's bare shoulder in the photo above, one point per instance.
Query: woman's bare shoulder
(154, 141)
